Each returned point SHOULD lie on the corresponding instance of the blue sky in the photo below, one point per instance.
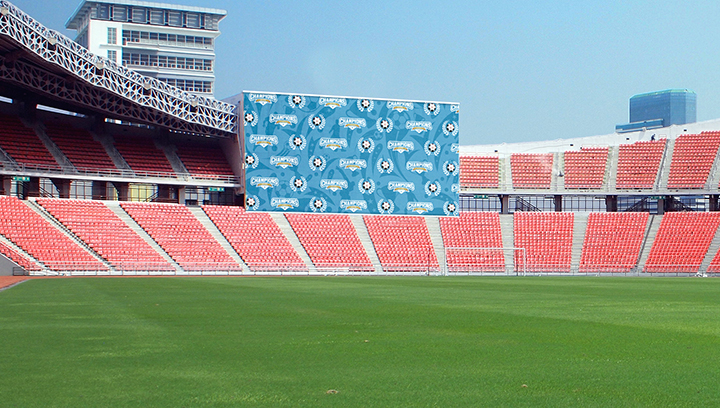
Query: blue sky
(521, 70)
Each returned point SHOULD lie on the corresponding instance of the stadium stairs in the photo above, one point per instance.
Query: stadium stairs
(508, 240)
(433, 227)
(287, 230)
(578, 239)
(215, 233)
(366, 242)
(653, 226)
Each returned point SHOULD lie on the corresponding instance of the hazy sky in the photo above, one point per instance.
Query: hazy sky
(521, 70)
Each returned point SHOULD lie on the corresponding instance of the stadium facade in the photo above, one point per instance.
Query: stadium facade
(146, 178)
(175, 44)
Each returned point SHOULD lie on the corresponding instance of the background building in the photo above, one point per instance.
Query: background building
(173, 43)
(661, 109)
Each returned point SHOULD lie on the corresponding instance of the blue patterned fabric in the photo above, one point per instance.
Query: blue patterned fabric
(344, 155)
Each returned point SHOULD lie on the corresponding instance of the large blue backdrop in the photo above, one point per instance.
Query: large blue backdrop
(346, 155)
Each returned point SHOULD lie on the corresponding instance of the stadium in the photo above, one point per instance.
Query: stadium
(109, 172)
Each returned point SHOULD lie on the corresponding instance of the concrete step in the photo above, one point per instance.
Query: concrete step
(579, 228)
(366, 241)
(664, 172)
(10, 244)
(507, 228)
(287, 230)
(433, 226)
(219, 237)
(650, 234)
(130, 222)
(710, 254)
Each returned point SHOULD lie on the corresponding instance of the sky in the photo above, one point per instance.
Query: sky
(521, 70)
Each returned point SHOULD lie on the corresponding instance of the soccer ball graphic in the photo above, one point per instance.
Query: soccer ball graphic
(432, 107)
(432, 187)
(366, 185)
(296, 99)
(384, 124)
(317, 162)
(318, 204)
(385, 206)
(298, 183)
(385, 165)
(317, 121)
(450, 127)
(365, 144)
(250, 202)
(432, 147)
(249, 160)
(451, 207)
(450, 167)
(249, 117)
(365, 103)
(297, 141)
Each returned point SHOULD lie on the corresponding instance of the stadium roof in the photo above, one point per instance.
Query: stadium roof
(84, 7)
(47, 64)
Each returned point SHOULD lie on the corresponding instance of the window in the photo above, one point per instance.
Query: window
(112, 55)
(112, 35)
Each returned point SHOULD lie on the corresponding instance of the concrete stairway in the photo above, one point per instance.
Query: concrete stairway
(650, 234)
(507, 228)
(21, 251)
(51, 146)
(506, 173)
(579, 228)
(364, 236)
(611, 169)
(557, 183)
(433, 226)
(714, 178)
(219, 237)
(127, 219)
(664, 171)
(287, 230)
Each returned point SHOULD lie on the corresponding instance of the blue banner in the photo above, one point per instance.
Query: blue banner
(350, 155)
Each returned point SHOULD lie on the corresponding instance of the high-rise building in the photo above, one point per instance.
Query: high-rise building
(661, 109)
(173, 43)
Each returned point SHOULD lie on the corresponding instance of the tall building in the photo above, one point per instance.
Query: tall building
(173, 43)
(661, 109)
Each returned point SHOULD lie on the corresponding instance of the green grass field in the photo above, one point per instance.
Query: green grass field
(432, 341)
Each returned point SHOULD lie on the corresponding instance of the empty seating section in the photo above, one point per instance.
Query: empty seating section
(473, 230)
(182, 236)
(204, 161)
(19, 258)
(692, 160)
(586, 168)
(639, 163)
(23, 145)
(612, 242)
(479, 171)
(256, 238)
(78, 145)
(682, 241)
(108, 235)
(43, 241)
(331, 241)
(402, 243)
(547, 239)
(142, 155)
(531, 170)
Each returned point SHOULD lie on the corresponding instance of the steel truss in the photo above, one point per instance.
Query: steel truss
(102, 85)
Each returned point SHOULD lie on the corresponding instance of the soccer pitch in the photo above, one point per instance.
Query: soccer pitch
(360, 342)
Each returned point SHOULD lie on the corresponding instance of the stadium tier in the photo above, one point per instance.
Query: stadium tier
(682, 242)
(78, 145)
(639, 163)
(468, 239)
(41, 240)
(23, 145)
(19, 258)
(108, 235)
(586, 168)
(693, 159)
(256, 238)
(204, 161)
(612, 242)
(331, 241)
(480, 171)
(547, 239)
(402, 243)
(182, 236)
(142, 155)
(531, 170)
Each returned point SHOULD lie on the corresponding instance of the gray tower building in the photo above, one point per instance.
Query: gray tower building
(661, 109)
